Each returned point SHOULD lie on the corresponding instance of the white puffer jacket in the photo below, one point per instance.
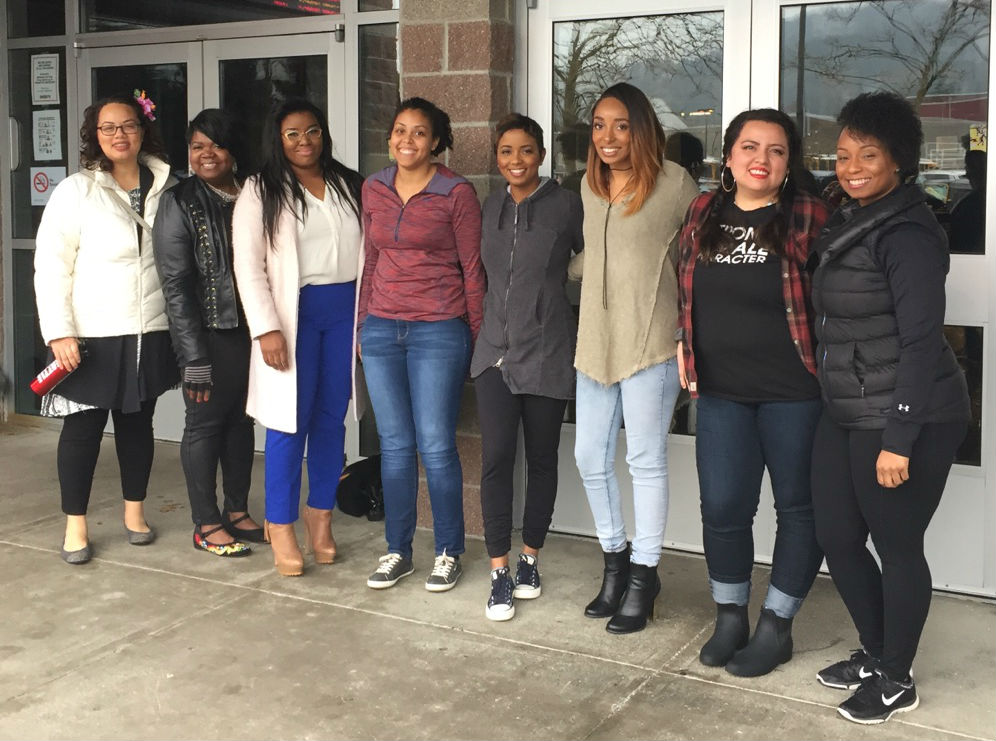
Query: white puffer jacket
(91, 277)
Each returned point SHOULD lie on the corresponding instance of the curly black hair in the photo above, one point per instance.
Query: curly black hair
(439, 121)
(92, 157)
(891, 120)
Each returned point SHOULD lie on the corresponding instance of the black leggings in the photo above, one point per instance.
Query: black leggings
(219, 431)
(500, 412)
(79, 447)
(888, 605)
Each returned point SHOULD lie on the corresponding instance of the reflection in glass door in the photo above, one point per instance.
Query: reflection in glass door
(676, 59)
(248, 76)
(691, 58)
(170, 74)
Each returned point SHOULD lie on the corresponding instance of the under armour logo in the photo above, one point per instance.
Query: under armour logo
(904, 408)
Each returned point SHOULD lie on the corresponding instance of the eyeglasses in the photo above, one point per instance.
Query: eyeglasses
(110, 129)
(293, 136)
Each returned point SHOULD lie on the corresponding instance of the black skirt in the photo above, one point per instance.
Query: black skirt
(120, 372)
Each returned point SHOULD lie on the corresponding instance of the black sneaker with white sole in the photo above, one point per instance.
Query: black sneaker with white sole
(445, 573)
(392, 568)
(879, 699)
(849, 674)
(500, 604)
(527, 577)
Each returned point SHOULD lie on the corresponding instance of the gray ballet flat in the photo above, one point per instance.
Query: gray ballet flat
(81, 556)
(139, 538)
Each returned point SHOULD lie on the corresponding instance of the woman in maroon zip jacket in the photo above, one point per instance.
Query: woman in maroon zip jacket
(419, 310)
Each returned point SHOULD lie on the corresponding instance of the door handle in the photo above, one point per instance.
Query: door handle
(14, 131)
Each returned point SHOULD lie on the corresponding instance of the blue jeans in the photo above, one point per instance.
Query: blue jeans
(646, 400)
(415, 373)
(734, 443)
(323, 360)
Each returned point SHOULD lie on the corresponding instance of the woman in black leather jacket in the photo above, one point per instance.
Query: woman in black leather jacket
(193, 250)
(896, 401)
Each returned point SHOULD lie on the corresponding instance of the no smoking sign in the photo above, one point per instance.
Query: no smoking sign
(43, 181)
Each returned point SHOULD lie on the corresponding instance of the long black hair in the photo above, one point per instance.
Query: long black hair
(771, 236)
(277, 185)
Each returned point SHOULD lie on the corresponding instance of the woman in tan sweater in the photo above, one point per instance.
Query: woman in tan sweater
(634, 202)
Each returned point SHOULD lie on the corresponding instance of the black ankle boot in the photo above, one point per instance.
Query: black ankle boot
(638, 603)
(770, 646)
(614, 580)
(731, 634)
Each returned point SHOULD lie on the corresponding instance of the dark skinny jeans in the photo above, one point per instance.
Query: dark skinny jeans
(220, 431)
(500, 412)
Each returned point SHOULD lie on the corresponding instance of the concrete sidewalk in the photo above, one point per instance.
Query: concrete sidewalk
(169, 642)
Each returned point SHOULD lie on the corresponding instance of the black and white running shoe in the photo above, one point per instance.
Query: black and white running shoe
(879, 699)
(849, 674)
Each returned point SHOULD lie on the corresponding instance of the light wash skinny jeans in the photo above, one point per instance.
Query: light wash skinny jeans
(646, 401)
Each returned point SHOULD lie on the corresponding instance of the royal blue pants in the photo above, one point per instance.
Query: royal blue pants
(324, 361)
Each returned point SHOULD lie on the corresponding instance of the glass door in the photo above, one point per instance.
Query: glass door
(170, 74)
(936, 54)
(247, 76)
(692, 59)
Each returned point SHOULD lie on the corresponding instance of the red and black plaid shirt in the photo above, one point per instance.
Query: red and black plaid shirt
(808, 216)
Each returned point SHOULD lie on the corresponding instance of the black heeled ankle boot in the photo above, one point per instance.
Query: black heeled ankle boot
(731, 634)
(770, 646)
(638, 603)
(614, 579)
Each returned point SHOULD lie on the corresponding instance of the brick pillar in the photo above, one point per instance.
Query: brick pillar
(459, 55)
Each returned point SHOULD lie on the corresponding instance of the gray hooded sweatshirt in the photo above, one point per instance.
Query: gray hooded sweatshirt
(529, 330)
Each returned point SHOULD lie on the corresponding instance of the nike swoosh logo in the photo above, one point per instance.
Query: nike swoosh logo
(889, 700)
(862, 674)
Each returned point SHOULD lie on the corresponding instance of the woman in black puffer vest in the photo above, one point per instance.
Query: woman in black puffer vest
(896, 401)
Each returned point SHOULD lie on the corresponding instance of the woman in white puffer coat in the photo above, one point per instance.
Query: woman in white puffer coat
(102, 312)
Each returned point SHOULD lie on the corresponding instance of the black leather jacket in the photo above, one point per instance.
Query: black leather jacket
(192, 242)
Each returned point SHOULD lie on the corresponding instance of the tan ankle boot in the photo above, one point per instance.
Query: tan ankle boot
(320, 540)
(286, 552)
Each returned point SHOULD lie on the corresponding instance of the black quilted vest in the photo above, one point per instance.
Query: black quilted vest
(858, 350)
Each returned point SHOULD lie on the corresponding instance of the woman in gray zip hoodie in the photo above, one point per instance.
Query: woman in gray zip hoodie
(523, 361)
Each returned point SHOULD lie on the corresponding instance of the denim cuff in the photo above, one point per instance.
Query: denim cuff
(783, 605)
(730, 594)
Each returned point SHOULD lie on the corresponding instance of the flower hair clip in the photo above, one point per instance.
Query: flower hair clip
(146, 103)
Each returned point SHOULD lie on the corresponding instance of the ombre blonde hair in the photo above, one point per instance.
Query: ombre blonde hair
(646, 147)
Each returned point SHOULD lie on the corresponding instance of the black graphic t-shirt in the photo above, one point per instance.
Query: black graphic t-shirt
(743, 349)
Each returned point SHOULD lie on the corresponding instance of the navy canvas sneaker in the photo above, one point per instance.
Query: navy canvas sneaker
(527, 577)
(500, 606)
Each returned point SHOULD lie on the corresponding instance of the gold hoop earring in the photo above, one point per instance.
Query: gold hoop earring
(722, 179)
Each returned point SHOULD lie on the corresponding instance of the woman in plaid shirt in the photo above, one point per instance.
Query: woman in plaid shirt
(746, 353)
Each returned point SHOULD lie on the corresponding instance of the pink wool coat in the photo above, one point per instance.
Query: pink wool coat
(268, 280)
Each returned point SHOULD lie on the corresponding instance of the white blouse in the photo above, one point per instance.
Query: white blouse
(328, 240)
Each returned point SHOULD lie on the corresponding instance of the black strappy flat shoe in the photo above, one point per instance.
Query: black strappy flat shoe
(254, 535)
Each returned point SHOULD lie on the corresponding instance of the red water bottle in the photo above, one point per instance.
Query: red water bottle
(52, 375)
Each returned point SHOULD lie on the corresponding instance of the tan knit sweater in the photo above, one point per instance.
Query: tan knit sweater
(629, 292)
